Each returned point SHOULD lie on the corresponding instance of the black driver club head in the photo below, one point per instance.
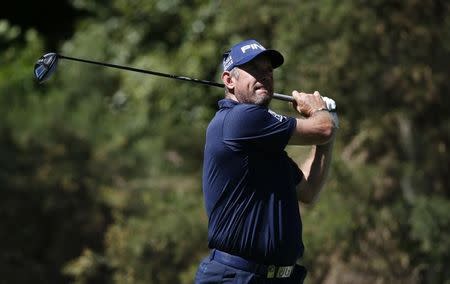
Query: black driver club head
(45, 66)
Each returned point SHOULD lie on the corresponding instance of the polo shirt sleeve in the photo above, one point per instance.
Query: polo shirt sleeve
(251, 127)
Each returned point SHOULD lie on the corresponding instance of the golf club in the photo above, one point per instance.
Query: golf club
(46, 65)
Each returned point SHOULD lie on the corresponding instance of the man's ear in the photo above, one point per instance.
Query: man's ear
(228, 80)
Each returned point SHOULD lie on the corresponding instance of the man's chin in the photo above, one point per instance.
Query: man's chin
(264, 98)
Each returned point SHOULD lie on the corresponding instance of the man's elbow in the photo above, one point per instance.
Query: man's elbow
(309, 199)
(325, 133)
(307, 196)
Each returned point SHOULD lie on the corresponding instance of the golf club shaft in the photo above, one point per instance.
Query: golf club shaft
(183, 78)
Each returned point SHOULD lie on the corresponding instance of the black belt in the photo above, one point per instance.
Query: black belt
(269, 271)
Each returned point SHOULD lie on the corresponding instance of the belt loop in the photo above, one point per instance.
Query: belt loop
(211, 257)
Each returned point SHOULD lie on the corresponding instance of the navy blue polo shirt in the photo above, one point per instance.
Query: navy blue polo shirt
(249, 184)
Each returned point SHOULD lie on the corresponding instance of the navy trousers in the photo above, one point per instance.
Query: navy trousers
(213, 272)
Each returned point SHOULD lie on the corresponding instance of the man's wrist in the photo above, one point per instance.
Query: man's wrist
(318, 110)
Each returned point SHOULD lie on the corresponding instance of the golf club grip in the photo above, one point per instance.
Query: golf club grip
(282, 97)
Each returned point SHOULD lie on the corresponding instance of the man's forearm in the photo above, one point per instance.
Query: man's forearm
(315, 170)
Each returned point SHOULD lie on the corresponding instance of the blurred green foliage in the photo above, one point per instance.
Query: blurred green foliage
(101, 169)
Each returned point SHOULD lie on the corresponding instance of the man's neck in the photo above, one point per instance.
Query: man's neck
(231, 97)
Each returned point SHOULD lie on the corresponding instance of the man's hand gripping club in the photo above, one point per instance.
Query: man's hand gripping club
(316, 124)
(308, 104)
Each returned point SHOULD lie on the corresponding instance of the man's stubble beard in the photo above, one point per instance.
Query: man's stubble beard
(263, 100)
(252, 98)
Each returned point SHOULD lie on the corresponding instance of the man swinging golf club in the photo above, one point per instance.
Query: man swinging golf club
(251, 186)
